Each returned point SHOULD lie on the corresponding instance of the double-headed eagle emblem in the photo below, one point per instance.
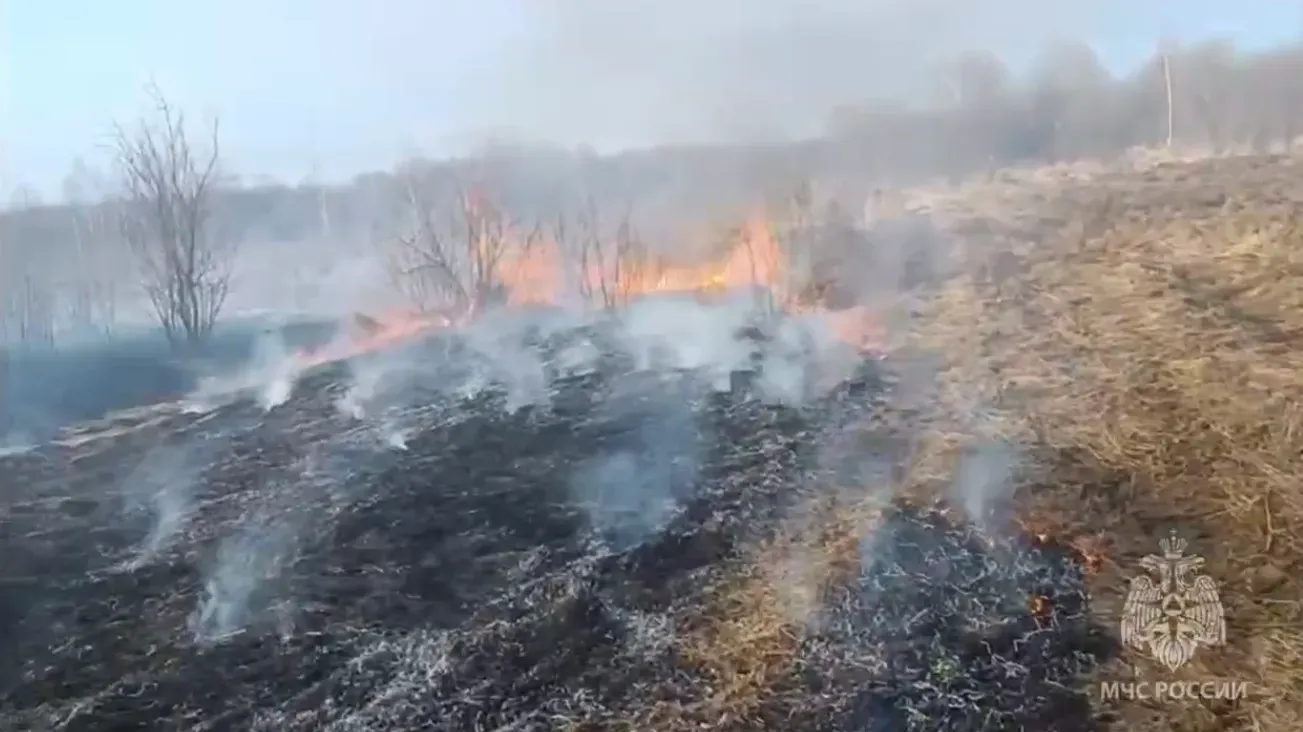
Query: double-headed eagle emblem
(1178, 614)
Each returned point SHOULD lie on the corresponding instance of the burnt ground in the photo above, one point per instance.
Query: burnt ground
(530, 569)
(44, 389)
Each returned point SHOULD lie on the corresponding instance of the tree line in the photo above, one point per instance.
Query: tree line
(161, 227)
(1207, 96)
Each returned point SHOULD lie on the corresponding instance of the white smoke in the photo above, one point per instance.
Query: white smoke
(272, 371)
(984, 482)
(164, 484)
(15, 444)
(242, 583)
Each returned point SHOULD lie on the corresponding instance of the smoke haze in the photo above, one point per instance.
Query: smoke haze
(334, 88)
(643, 72)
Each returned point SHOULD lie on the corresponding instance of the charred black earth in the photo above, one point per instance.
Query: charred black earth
(459, 562)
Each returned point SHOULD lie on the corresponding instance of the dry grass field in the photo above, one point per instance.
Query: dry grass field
(1147, 331)
(1141, 330)
(1120, 355)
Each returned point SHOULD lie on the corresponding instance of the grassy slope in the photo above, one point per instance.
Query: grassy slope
(1140, 330)
(1145, 331)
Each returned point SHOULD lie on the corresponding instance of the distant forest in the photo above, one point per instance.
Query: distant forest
(58, 264)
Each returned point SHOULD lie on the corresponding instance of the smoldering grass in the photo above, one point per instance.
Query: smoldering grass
(241, 585)
(164, 485)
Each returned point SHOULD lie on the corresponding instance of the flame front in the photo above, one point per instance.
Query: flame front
(366, 334)
(537, 272)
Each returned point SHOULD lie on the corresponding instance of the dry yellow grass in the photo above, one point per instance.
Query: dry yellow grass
(1141, 331)
(1146, 331)
(746, 642)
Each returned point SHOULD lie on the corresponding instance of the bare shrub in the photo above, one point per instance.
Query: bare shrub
(166, 205)
(449, 259)
(27, 299)
(609, 267)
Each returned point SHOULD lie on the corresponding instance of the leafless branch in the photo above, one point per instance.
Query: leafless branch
(449, 258)
(167, 189)
(610, 266)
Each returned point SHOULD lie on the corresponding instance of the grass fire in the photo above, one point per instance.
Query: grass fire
(975, 417)
(717, 501)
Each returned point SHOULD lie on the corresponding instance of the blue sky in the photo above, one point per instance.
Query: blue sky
(297, 84)
(337, 87)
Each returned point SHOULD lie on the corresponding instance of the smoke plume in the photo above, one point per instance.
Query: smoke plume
(641, 72)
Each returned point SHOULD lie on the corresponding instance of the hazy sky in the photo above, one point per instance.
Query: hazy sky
(343, 86)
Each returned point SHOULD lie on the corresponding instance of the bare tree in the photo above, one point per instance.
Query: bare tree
(93, 291)
(92, 288)
(609, 268)
(27, 303)
(792, 231)
(1204, 93)
(1066, 97)
(167, 196)
(449, 260)
(1278, 97)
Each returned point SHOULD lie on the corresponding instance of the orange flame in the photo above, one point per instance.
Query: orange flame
(1088, 550)
(536, 273)
(533, 275)
(371, 334)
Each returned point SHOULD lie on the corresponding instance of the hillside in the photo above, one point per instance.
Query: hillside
(941, 539)
(600, 556)
(1143, 333)
(66, 263)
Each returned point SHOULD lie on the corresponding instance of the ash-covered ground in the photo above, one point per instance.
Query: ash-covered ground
(445, 540)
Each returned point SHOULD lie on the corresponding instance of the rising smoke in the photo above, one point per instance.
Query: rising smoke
(641, 73)
(241, 587)
(163, 486)
(638, 72)
(637, 483)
